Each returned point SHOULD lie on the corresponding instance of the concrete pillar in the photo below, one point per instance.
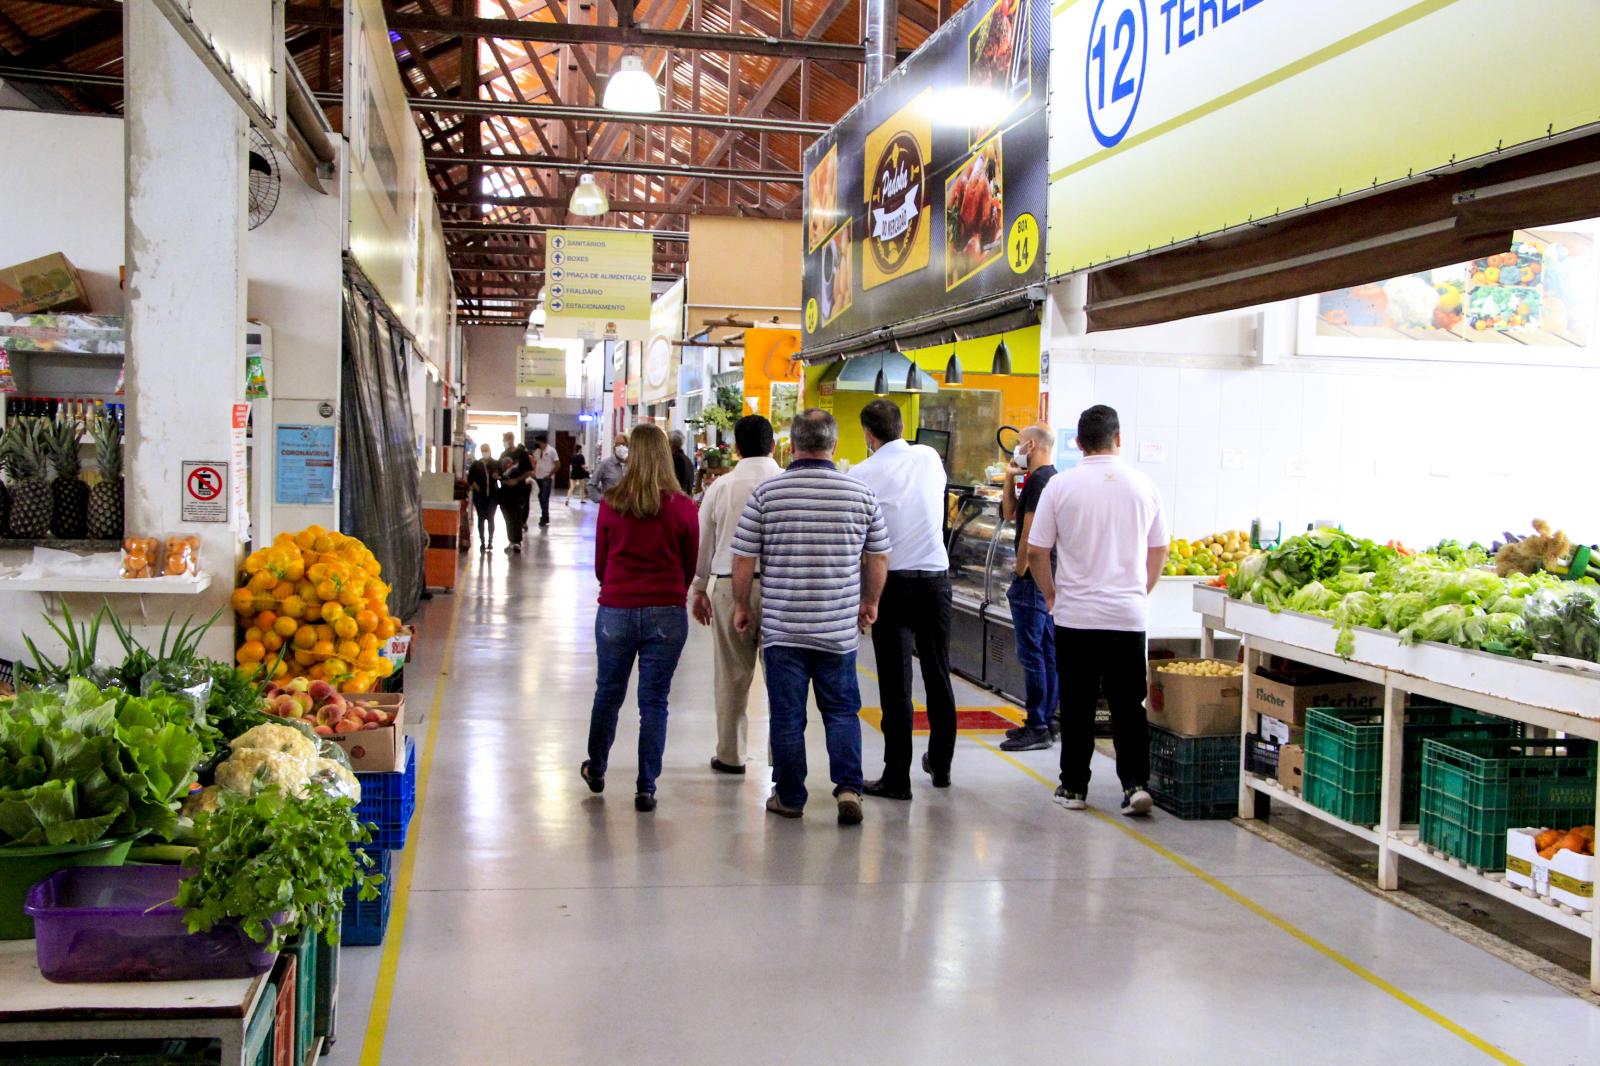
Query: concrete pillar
(186, 219)
(1065, 315)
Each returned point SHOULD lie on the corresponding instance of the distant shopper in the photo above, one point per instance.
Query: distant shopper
(545, 462)
(1031, 623)
(608, 472)
(909, 482)
(1104, 523)
(516, 489)
(645, 547)
(682, 465)
(577, 477)
(483, 479)
(807, 530)
(734, 653)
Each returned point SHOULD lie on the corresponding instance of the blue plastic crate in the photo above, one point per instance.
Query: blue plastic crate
(365, 921)
(387, 800)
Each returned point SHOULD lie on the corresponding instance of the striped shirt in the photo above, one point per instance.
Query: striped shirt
(809, 527)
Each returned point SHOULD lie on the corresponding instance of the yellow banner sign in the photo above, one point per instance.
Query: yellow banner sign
(1174, 119)
(895, 186)
(597, 284)
(541, 371)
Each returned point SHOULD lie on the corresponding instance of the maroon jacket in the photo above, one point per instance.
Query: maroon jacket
(647, 562)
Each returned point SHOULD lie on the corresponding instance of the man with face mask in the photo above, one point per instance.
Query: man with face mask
(1030, 618)
(608, 472)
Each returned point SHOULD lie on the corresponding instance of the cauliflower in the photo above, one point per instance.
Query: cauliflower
(1411, 300)
(283, 738)
(251, 769)
(335, 777)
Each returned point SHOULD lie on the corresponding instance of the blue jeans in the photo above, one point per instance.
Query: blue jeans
(656, 635)
(1036, 650)
(790, 672)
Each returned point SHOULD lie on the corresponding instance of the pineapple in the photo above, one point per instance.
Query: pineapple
(105, 498)
(69, 510)
(5, 510)
(23, 453)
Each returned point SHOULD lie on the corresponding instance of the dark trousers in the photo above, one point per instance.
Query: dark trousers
(790, 673)
(1036, 651)
(514, 507)
(484, 505)
(914, 613)
(544, 484)
(1092, 660)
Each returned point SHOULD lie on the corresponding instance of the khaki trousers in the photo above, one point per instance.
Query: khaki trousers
(735, 660)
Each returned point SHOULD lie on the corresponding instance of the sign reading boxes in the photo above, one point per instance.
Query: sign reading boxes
(597, 285)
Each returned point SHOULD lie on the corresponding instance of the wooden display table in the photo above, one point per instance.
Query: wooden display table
(33, 1009)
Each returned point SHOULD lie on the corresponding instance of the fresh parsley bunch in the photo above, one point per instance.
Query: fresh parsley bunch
(277, 866)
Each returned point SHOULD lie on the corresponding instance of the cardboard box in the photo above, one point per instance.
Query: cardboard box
(1287, 699)
(1524, 868)
(1292, 767)
(50, 283)
(1194, 706)
(384, 748)
(1278, 731)
(1569, 879)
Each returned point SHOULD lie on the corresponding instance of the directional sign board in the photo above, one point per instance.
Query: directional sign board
(597, 285)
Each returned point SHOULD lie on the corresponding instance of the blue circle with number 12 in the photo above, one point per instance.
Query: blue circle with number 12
(1114, 68)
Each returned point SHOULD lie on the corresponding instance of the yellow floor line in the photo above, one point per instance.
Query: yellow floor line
(389, 966)
(1120, 824)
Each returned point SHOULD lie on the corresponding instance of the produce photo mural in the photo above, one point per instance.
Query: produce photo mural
(1538, 293)
(975, 216)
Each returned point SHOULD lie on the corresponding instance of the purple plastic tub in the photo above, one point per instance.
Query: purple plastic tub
(118, 923)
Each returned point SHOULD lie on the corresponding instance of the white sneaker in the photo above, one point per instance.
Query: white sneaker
(1072, 801)
(1136, 801)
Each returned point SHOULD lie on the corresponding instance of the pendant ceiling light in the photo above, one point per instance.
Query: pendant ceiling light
(952, 369)
(880, 384)
(913, 376)
(588, 199)
(1002, 358)
(632, 88)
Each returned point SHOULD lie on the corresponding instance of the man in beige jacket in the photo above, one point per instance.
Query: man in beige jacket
(736, 653)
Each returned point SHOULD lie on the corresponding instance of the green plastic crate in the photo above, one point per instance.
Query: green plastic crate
(304, 950)
(258, 1035)
(1474, 790)
(1344, 756)
(327, 991)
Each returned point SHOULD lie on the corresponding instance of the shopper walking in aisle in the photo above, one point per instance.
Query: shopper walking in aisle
(807, 531)
(608, 472)
(1103, 522)
(516, 489)
(577, 478)
(483, 479)
(909, 482)
(646, 544)
(682, 465)
(545, 462)
(734, 653)
(1030, 617)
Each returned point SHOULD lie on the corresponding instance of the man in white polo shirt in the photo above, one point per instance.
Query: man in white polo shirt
(1104, 521)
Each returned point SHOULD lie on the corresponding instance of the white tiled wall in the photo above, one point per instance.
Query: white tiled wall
(1417, 451)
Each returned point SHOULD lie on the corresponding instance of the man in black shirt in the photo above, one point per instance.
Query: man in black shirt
(516, 490)
(1030, 618)
(682, 465)
(483, 477)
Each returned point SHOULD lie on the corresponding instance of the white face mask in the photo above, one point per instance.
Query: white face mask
(622, 452)
(1019, 457)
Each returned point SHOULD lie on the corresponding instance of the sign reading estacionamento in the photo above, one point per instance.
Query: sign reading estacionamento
(1173, 119)
(597, 285)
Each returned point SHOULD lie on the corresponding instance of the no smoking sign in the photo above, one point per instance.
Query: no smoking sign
(205, 491)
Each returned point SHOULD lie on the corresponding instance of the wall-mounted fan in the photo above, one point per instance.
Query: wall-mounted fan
(265, 178)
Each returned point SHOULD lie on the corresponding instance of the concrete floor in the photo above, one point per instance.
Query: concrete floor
(980, 924)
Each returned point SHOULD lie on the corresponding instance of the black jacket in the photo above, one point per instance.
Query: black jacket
(682, 467)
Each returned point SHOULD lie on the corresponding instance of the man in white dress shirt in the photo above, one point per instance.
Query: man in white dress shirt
(909, 481)
(734, 653)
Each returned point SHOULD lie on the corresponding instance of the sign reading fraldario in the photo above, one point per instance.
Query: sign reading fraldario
(1173, 119)
(597, 285)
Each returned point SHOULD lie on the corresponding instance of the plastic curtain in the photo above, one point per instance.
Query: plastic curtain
(381, 498)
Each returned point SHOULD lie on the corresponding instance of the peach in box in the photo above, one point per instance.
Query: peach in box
(381, 749)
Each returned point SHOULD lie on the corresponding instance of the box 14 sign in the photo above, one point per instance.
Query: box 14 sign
(597, 285)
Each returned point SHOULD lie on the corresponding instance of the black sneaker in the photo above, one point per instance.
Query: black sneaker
(1136, 801)
(644, 802)
(1028, 740)
(596, 783)
(940, 779)
(1072, 801)
(1016, 731)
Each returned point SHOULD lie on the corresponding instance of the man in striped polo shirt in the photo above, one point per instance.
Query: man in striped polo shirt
(810, 528)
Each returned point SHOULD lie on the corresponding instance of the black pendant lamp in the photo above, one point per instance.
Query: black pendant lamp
(1002, 358)
(913, 376)
(880, 384)
(952, 369)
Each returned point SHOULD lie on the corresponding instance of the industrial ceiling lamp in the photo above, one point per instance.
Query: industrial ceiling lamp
(588, 199)
(880, 384)
(913, 376)
(1002, 358)
(632, 88)
(952, 369)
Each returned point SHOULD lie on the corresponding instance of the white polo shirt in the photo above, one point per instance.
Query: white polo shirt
(909, 481)
(545, 461)
(1101, 517)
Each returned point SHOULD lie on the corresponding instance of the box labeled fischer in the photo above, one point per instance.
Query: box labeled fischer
(1288, 699)
(49, 283)
(1195, 697)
